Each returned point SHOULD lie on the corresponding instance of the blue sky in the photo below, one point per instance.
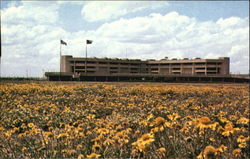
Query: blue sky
(207, 29)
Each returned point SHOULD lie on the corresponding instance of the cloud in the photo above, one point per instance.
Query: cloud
(103, 11)
(30, 42)
(31, 13)
(175, 35)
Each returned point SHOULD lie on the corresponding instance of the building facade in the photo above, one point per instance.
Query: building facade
(79, 66)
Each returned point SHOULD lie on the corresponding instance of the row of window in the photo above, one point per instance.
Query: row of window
(200, 73)
(146, 64)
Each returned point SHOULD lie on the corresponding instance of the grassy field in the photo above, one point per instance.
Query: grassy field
(123, 120)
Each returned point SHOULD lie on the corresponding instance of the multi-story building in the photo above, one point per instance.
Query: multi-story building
(113, 66)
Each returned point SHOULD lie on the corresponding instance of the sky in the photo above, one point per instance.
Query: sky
(31, 32)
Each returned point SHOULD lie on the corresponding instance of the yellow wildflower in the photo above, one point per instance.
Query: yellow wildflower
(236, 152)
(68, 152)
(48, 134)
(241, 138)
(161, 151)
(243, 120)
(93, 155)
(108, 142)
(202, 122)
(144, 141)
(62, 135)
(79, 146)
(80, 156)
(150, 116)
(222, 148)
(103, 131)
(212, 139)
(173, 116)
(31, 125)
(229, 129)
(159, 121)
(209, 152)
(24, 149)
(243, 145)
(96, 147)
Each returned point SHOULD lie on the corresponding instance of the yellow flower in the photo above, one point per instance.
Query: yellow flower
(161, 151)
(91, 116)
(229, 129)
(62, 135)
(150, 116)
(223, 120)
(80, 156)
(93, 155)
(78, 147)
(48, 134)
(213, 126)
(173, 116)
(243, 145)
(236, 152)
(209, 152)
(68, 152)
(185, 129)
(241, 138)
(143, 142)
(108, 142)
(96, 147)
(159, 121)
(233, 117)
(243, 120)
(203, 123)
(212, 139)
(204, 120)
(147, 138)
(30, 125)
(222, 148)
(103, 131)
(24, 149)
(8, 133)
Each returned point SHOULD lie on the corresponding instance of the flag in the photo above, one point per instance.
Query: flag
(89, 41)
(64, 43)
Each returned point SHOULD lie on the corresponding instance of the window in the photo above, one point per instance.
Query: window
(187, 63)
(80, 67)
(164, 64)
(176, 68)
(80, 62)
(102, 62)
(211, 63)
(176, 64)
(200, 63)
(90, 67)
(200, 68)
(211, 68)
(91, 62)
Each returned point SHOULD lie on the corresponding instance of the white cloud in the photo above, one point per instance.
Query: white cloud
(174, 35)
(102, 11)
(31, 13)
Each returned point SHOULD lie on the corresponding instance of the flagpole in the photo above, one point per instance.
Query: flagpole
(60, 61)
(0, 67)
(86, 59)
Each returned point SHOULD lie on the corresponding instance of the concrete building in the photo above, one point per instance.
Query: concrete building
(113, 66)
(164, 70)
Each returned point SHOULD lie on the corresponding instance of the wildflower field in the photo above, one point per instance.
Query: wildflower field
(123, 120)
